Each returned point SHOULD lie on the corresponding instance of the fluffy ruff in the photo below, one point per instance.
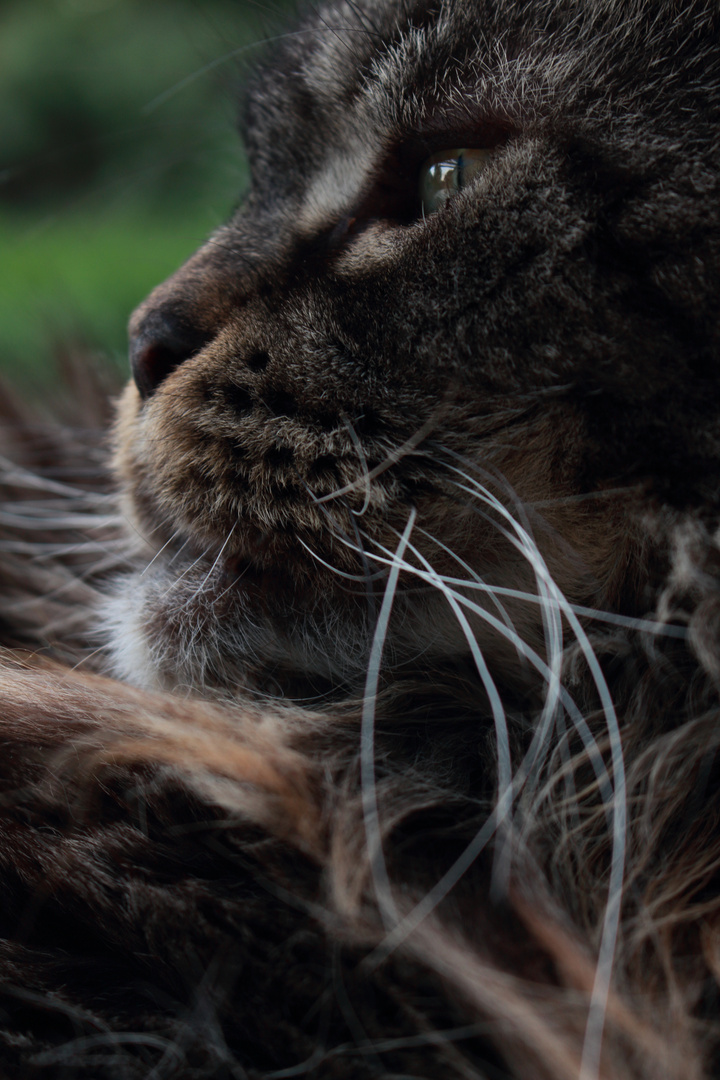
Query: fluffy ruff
(198, 889)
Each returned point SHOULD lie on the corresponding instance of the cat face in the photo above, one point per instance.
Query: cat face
(471, 293)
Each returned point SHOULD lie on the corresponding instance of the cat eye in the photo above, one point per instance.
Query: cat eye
(409, 185)
(446, 173)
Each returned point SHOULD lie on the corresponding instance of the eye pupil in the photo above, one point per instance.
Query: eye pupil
(447, 173)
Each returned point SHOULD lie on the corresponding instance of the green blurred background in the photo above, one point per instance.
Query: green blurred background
(118, 155)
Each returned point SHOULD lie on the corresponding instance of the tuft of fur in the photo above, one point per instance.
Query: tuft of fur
(361, 717)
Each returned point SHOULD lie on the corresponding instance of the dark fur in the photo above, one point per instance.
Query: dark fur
(525, 385)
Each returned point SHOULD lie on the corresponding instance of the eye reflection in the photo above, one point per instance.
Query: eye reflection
(446, 173)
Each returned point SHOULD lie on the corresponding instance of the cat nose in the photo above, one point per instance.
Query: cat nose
(160, 343)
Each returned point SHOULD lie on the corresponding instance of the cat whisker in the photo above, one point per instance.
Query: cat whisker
(475, 581)
(528, 654)
(342, 34)
(364, 16)
(643, 625)
(392, 458)
(369, 591)
(179, 551)
(218, 61)
(585, 496)
(550, 713)
(613, 801)
(16, 475)
(176, 581)
(233, 54)
(364, 465)
(159, 553)
(361, 578)
(552, 622)
(209, 574)
(145, 537)
(378, 866)
(86, 659)
(606, 951)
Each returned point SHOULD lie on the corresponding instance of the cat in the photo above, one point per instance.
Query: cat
(373, 729)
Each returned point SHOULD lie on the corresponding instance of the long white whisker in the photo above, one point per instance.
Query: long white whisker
(477, 580)
(176, 581)
(17, 475)
(483, 836)
(649, 626)
(207, 577)
(159, 553)
(628, 622)
(503, 859)
(179, 551)
(363, 462)
(391, 459)
(529, 654)
(496, 706)
(551, 714)
(381, 880)
(361, 578)
(590, 1065)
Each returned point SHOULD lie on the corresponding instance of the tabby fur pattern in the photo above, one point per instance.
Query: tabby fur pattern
(360, 703)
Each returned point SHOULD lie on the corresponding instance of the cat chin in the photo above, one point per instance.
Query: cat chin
(123, 631)
(188, 631)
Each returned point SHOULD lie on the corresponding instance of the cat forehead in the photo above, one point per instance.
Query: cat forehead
(369, 70)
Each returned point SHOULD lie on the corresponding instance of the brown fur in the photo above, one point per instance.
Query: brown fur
(250, 826)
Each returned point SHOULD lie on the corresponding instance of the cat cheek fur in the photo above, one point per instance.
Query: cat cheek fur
(175, 488)
(256, 445)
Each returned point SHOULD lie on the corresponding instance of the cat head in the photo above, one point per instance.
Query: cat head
(464, 317)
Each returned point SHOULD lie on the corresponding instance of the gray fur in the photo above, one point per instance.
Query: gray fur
(392, 748)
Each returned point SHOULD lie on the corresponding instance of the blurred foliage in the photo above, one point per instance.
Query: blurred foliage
(118, 155)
